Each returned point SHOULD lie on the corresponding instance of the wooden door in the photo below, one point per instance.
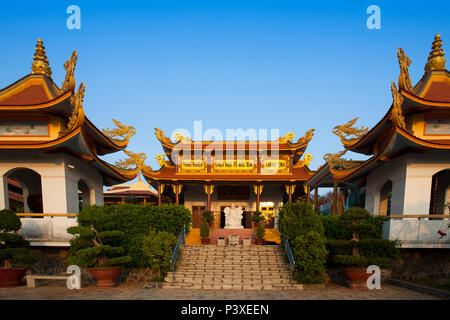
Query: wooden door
(197, 212)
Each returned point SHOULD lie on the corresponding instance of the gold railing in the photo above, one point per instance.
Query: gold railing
(46, 214)
(418, 216)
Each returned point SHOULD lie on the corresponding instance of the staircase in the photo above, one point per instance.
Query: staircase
(231, 268)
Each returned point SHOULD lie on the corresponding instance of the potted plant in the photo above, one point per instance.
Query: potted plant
(101, 252)
(259, 234)
(209, 217)
(256, 218)
(204, 231)
(355, 263)
(14, 251)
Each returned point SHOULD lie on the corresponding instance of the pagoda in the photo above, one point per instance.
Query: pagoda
(50, 148)
(212, 175)
(407, 174)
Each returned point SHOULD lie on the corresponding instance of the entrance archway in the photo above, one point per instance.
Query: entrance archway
(24, 190)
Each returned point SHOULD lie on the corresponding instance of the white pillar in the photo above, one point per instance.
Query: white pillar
(4, 199)
(54, 194)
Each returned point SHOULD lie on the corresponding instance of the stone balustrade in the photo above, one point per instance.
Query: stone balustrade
(418, 231)
(46, 229)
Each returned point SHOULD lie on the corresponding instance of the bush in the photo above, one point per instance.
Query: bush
(208, 216)
(14, 249)
(133, 219)
(204, 229)
(257, 217)
(94, 249)
(298, 219)
(365, 247)
(157, 248)
(310, 255)
(304, 230)
(260, 231)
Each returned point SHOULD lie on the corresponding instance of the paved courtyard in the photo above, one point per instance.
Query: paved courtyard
(129, 292)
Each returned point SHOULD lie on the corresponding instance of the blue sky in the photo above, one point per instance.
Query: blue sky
(286, 65)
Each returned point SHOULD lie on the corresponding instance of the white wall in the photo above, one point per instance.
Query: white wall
(411, 176)
(59, 183)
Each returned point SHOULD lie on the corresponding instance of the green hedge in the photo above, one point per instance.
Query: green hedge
(304, 229)
(336, 228)
(135, 221)
(372, 249)
(134, 218)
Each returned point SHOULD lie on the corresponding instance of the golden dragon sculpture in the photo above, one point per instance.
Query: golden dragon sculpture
(336, 162)
(396, 113)
(122, 131)
(69, 81)
(136, 160)
(348, 134)
(77, 102)
(404, 82)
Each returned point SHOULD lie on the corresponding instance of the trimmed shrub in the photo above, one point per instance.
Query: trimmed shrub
(204, 229)
(304, 230)
(126, 226)
(134, 219)
(14, 249)
(157, 248)
(298, 219)
(95, 249)
(310, 255)
(257, 217)
(365, 247)
(208, 216)
(260, 231)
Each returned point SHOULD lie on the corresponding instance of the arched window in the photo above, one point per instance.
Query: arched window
(84, 194)
(24, 190)
(385, 198)
(440, 192)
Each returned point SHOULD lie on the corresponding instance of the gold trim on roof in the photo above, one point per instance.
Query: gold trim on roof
(404, 82)
(69, 81)
(305, 162)
(135, 159)
(436, 60)
(337, 163)
(306, 138)
(164, 139)
(77, 101)
(345, 131)
(162, 162)
(40, 63)
(288, 137)
(396, 113)
(122, 131)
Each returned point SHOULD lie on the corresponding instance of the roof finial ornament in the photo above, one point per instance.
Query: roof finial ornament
(40, 63)
(436, 60)
(404, 82)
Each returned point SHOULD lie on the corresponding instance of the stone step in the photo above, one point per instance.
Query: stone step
(280, 273)
(232, 287)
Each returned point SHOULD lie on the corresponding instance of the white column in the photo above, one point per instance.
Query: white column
(54, 194)
(4, 200)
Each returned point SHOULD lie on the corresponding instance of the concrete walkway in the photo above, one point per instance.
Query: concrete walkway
(129, 292)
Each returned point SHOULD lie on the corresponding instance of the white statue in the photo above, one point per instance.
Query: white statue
(233, 217)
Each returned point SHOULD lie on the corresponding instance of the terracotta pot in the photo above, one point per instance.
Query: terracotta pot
(357, 277)
(259, 241)
(11, 277)
(105, 276)
(205, 241)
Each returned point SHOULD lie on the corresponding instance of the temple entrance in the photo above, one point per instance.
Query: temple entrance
(197, 212)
